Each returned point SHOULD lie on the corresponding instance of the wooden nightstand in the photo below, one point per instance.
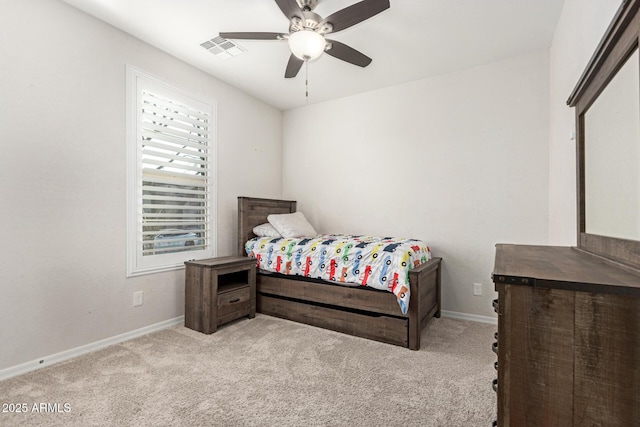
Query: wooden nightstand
(219, 290)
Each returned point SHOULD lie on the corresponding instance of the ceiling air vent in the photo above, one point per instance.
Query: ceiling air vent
(223, 48)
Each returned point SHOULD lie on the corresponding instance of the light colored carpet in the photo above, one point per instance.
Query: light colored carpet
(267, 372)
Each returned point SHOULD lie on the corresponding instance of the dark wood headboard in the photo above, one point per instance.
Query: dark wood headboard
(253, 211)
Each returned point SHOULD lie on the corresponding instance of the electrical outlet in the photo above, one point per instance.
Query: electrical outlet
(137, 298)
(477, 289)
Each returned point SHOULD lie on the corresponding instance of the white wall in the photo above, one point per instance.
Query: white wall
(458, 160)
(580, 28)
(464, 161)
(62, 178)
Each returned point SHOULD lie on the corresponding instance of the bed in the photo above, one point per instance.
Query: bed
(360, 311)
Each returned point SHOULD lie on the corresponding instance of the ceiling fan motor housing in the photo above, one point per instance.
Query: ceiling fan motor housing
(309, 21)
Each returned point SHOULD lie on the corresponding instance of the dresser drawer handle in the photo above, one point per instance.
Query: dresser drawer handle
(494, 347)
(234, 301)
(494, 385)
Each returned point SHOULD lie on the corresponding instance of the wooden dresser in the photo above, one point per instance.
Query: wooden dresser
(568, 338)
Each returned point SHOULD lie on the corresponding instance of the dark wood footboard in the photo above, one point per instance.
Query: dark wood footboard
(425, 298)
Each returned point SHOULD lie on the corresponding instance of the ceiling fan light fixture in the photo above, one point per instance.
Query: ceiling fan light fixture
(307, 44)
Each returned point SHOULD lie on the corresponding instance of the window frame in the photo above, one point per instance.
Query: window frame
(137, 264)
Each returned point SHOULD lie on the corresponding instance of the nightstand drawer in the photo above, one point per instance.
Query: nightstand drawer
(233, 303)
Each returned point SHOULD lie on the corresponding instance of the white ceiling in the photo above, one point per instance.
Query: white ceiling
(413, 39)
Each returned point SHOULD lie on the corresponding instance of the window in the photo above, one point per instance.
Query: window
(170, 175)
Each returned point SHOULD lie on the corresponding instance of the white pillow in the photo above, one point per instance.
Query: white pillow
(266, 230)
(292, 225)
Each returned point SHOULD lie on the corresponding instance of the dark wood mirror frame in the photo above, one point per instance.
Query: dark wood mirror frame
(618, 43)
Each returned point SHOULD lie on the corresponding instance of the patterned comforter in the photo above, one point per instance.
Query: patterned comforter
(377, 262)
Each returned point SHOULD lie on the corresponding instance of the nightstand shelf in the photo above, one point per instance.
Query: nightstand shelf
(218, 291)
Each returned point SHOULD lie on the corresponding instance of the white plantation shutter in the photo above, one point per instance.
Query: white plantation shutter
(173, 197)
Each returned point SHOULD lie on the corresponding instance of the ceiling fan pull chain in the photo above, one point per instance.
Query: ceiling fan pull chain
(306, 79)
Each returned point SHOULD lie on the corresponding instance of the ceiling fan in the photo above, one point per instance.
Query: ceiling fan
(307, 31)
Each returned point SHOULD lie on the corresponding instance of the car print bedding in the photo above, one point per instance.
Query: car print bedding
(378, 262)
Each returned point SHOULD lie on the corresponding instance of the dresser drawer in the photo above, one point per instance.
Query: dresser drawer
(233, 303)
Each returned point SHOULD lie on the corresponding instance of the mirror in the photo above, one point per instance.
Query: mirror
(606, 100)
(612, 156)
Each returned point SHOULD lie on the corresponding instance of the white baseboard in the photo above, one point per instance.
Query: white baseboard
(84, 349)
(472, 317)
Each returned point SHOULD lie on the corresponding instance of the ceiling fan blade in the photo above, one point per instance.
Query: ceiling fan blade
(290, 8)
(253, 36)
(348, 54)
(355, 14)
(293, 66)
